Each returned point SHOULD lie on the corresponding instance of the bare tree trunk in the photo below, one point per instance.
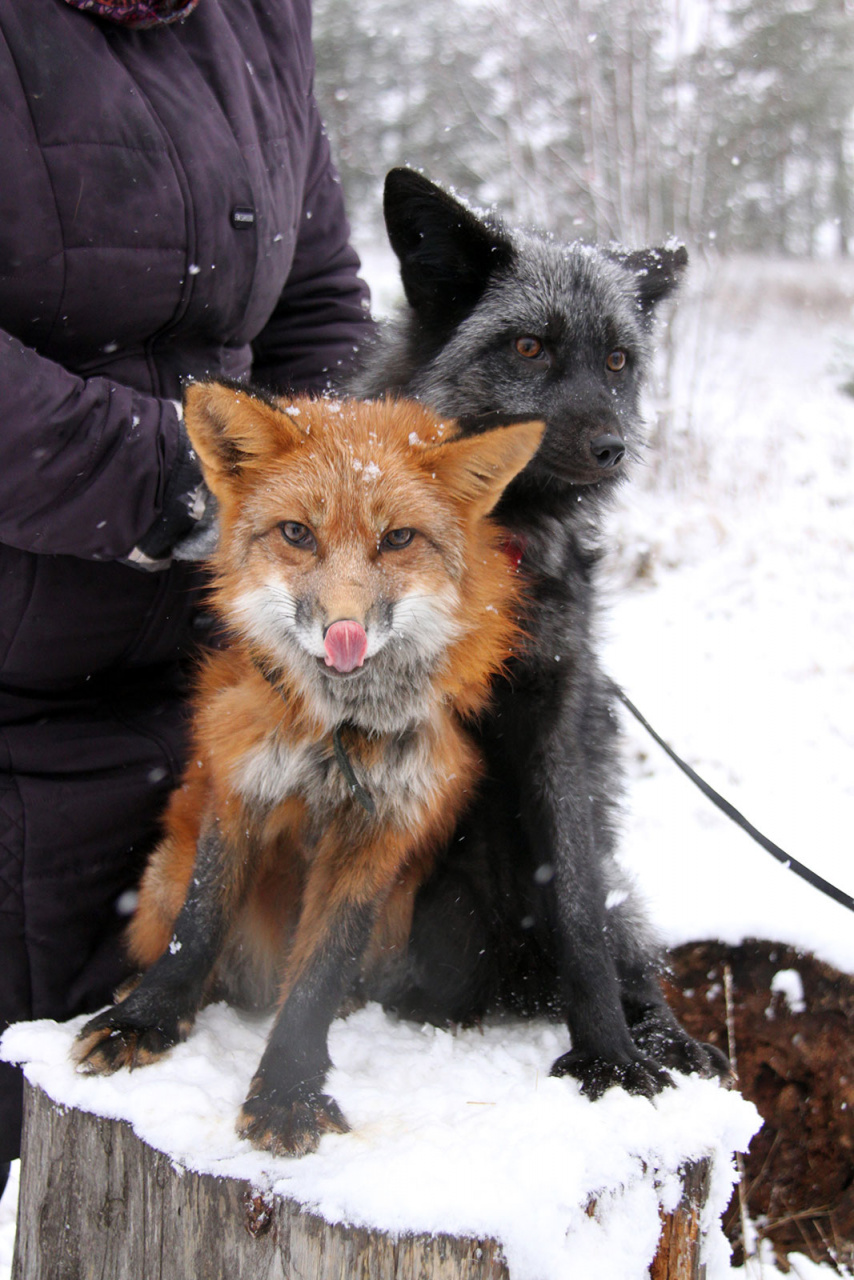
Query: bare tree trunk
(841, 193)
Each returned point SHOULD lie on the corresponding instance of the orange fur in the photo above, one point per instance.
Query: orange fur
(302, 863)
(309, 464)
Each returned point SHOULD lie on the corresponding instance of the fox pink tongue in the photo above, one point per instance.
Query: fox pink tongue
(346, 645)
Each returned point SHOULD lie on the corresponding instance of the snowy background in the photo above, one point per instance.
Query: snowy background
(737, 643)
(730, 622)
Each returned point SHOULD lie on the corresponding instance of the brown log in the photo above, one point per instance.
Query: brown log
(97, 1203)
(678, 1254)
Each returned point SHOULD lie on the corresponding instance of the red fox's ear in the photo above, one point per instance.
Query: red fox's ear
(230, 429)
(477, 469)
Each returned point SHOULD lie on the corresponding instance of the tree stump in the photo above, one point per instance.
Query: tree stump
(96, 1202)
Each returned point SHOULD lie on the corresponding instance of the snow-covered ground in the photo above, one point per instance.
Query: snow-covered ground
(731, 625)
(737, 644)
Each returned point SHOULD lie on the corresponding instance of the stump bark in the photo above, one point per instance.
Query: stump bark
(97, 1203)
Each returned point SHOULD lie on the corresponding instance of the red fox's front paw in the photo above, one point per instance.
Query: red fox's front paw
(290, 1129)
(107, 1043)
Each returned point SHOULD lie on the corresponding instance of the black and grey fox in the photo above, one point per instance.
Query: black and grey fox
(528, 908)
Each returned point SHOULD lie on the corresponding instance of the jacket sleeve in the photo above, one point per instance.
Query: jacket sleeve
(323, 313)
(89, 467)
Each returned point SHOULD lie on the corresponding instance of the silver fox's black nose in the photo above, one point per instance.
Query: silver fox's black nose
(608, 451)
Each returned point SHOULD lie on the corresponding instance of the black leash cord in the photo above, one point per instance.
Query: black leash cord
(792, 864)
(359, 793)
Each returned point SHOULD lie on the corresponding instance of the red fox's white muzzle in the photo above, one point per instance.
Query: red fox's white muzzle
(346, 645)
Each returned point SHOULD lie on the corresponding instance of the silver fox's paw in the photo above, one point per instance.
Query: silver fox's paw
(640, 1076)
(716, 1063)
(290, 1129)
(668, 1044)
(107, 1043)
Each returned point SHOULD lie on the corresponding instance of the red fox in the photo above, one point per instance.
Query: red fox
(368, 604)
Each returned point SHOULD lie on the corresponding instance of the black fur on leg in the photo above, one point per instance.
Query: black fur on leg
(161, 1007)
(286, 1111)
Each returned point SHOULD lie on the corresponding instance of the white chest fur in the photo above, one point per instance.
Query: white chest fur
(401, 777)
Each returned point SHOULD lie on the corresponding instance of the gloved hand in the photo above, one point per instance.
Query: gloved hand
(186, 528)
(200, 542)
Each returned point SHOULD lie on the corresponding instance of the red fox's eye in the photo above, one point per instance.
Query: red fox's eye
(298, 535)
(397, 538)
(616, 361)
(529, 347)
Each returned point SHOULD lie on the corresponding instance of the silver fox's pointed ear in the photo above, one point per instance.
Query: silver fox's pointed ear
(447, 253)
(477, 469)
(657, 272)
(232, 428)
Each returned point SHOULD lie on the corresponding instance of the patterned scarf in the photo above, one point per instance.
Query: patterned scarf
(137, 13)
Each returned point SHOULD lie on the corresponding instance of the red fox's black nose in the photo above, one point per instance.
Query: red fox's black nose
(608, 451)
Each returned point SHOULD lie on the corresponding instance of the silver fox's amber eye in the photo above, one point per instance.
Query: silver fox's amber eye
(529, 347)
(298, 535)
(616, 360)
(395, 539)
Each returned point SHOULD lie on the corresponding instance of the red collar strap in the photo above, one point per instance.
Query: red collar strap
(513, 545)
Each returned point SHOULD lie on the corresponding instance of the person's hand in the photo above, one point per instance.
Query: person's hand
(186, 527)
(200, 543)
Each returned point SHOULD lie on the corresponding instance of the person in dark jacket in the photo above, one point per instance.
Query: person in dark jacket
(168, 210)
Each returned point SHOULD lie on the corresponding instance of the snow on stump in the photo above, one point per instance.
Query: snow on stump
(464, 1160)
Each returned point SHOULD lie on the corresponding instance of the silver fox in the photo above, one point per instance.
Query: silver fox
(528, 909)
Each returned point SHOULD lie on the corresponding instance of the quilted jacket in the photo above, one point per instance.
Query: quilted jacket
(168, 209)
